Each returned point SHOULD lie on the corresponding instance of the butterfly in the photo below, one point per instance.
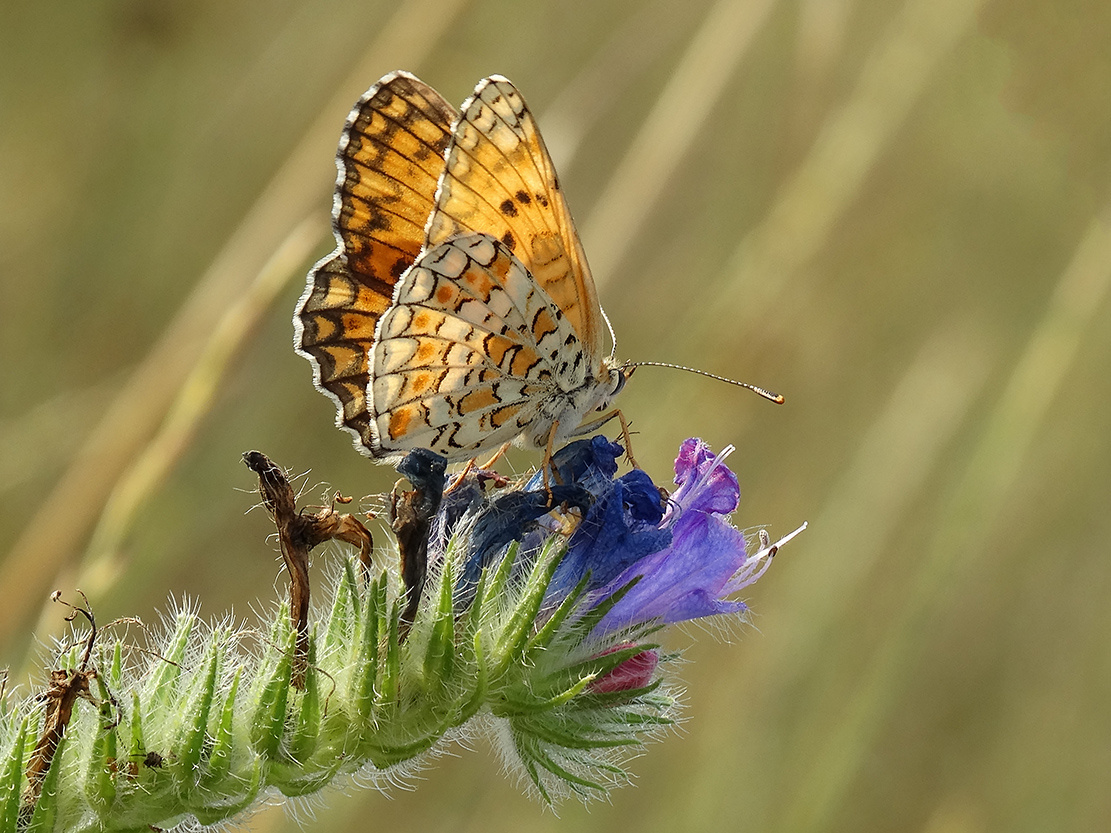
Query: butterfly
(457, 312)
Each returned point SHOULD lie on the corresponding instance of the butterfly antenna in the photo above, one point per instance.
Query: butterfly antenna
(767, 394)
(613, 335)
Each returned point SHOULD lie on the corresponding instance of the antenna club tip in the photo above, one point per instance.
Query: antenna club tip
(628, 367)
(767, 394)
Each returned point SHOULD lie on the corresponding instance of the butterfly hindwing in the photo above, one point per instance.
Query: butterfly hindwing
(390, 159)
(468, 353)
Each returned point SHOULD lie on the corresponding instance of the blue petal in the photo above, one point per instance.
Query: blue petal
(590, 463)
(509, 518)
(620, 529)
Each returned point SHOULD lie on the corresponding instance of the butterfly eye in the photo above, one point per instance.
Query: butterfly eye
(619, 384)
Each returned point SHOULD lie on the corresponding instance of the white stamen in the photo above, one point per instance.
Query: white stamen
(769, 551)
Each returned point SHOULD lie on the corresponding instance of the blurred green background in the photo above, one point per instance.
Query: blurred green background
(895, 213)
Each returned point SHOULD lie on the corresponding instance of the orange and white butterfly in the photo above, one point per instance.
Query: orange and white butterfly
(457, 312)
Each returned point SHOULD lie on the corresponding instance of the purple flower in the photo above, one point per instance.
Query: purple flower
(618, 530)
(705, 561)
(674, 560)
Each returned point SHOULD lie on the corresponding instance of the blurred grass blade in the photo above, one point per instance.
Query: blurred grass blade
(45, 546)
(598, 86)
(962, 531)
(811, 201)
(193, 401)
(677, 119)
(44, 437)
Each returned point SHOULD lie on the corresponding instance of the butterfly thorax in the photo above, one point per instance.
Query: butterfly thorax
(566, 411)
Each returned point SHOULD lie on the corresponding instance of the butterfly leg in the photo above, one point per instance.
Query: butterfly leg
(625, 435)
(459, 478)
(628, 440)
(473, 464)
(547, 468)
(497, 456)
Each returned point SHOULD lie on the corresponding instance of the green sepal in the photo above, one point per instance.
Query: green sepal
(364, 655)
(100, 787)
(11, 779)
(219, 761)
(226, 804)
(192, 735)
(343, 618)
(294, 781)
(440, 650)
(515, 633)
(531, 704)
(136, 745)
(42, 817)
(306, 730)
(496, 589)
(542, 639)
(268, 724)
(115, 669)
(481, 687)
(160, 691)
(472, 622)
(391, 674)
(561, 731)
(385, 755)
(610, 699)
(533, 755)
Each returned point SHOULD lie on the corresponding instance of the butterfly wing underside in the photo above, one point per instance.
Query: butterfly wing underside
(469, 353)
(500, 181)
(390, 159)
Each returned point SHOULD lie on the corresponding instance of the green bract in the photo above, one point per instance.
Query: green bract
(207, 721)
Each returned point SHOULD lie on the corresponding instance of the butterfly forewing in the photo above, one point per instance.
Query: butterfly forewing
(390, 159)
(468, 352)
(500, 180)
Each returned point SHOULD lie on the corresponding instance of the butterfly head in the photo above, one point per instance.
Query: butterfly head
(613, 381)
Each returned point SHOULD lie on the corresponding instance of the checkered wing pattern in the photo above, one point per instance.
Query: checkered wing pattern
(390, 159)
(457, 311)
(470, 353)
